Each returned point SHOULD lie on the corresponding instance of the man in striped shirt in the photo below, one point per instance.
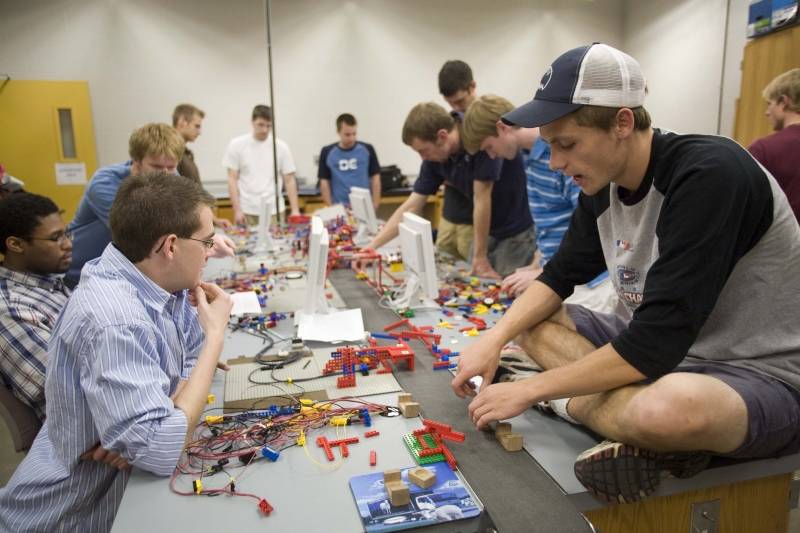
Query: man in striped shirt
(131, 360)
(37, 250)
(552, 196)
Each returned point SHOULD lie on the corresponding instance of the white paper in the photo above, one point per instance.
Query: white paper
(245, 302)
(71, 173)
(330, 213)
(331, 327)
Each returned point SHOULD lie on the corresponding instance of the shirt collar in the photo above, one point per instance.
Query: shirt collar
(49, 282)
(149, 292)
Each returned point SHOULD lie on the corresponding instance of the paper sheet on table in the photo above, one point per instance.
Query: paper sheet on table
(245, 302)
(339, 326)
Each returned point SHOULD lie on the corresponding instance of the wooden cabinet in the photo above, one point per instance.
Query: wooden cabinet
(764, 58)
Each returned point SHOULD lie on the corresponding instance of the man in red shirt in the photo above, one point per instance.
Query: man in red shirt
(780, 151)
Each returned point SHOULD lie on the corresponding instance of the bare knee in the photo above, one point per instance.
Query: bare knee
(661, 415)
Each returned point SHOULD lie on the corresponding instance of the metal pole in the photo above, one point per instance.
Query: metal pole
(268, 16)
(722, 73)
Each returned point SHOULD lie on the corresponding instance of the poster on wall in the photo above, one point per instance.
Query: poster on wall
(71, 173)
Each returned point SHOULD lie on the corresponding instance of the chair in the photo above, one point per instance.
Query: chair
(21, 420)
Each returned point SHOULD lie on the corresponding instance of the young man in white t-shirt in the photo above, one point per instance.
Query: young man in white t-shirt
(249, 160)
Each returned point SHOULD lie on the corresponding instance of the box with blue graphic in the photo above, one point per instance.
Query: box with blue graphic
(446, 500)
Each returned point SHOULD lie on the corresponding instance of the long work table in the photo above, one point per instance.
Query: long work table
(518, 495)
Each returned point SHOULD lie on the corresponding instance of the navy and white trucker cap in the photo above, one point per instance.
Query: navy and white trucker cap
(589, 75)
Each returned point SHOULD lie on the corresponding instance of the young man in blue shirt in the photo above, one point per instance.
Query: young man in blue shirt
(153, 147)
(504, 239)
(348, 163)
(131, 360)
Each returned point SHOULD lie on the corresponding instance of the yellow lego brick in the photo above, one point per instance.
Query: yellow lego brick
(471, 332)
(306, 401)
(480, 309)
(396, 267)
(214, 419)
(211, 399)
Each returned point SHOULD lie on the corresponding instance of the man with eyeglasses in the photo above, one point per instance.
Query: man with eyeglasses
(131, 360)
(37, 251)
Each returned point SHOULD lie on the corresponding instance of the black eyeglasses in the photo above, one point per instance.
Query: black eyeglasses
(60, 239)
(209, 243)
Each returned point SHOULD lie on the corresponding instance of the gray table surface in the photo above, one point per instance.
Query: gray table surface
(518, 495)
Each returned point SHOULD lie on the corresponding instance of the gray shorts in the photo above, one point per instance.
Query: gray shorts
(507, 255)
(773, 407)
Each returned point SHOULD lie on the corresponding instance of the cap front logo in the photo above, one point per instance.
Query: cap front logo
(546, 78)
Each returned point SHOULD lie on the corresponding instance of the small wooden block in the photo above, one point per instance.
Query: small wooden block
(409, 409)
(390, 476)
(398, 493)
(502, 428)
(421, 477)
(512, 442)
(405, 397)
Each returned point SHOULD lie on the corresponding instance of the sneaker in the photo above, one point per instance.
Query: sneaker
(514, 365)
(622, 473)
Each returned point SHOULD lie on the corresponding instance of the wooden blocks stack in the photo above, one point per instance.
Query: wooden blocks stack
(395, 488)
(512, 442)
(421, 477)
(407, 405)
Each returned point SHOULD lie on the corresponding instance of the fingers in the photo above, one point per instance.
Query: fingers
(88, 453)
(223, 366)
(458, 383)
(199, 295)
(211, 291)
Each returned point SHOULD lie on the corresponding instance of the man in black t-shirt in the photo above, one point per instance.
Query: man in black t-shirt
(702, 248)
(504, 239)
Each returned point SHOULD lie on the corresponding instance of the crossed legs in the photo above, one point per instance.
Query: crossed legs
(678, 412)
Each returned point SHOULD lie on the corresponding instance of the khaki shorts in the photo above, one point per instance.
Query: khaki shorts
(454, 239)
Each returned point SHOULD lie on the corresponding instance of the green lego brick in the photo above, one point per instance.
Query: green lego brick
(414, 447)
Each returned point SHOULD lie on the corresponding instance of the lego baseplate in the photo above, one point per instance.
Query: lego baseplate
(240, 393)
(414, 447)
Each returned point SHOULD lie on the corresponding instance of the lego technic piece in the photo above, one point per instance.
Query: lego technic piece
(412, 442)
(372, 433)
(422, 477)
(271, 454)
(323, 443)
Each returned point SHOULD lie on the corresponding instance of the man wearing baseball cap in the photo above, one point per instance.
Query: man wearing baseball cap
(702, 248)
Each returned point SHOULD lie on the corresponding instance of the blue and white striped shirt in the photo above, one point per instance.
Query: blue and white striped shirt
(117, 353)
(29, 308)
(552, 197)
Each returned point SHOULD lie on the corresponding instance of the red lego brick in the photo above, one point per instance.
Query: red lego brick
(373, 458)
(372, 433)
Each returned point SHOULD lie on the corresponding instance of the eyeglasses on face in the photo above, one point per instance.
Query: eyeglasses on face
(208, 243)
(60, 238)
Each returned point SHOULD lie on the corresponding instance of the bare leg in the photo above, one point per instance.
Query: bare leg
(555, 342)
(679, 412)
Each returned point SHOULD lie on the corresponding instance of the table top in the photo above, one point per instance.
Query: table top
(517, 493)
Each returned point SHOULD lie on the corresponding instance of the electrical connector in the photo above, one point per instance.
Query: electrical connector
(340, 421)
(214, 419)
(211, 399)
(197, 486)
(301, 439)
